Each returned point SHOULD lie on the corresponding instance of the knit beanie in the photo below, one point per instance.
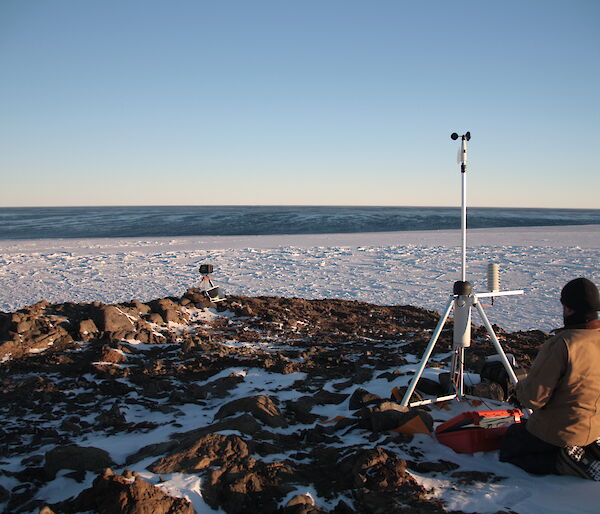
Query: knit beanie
(581, 295)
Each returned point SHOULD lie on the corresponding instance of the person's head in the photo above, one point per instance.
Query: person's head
(581, 301)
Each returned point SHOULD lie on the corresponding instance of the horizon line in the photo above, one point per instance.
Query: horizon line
(294, 205)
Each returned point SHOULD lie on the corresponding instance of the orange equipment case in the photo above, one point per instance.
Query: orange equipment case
(477, 431)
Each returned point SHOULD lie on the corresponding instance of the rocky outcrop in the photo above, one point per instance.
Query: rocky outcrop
(112, 493)
(41, 326)
(113, 318)
(209, 450)
(256, 489)
(168, 310)
(261, 404)
(261, 407)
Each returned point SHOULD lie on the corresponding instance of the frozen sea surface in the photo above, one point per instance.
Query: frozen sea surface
(415, 267)
(178, 221)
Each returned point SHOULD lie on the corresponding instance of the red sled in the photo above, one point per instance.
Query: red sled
(477, 431)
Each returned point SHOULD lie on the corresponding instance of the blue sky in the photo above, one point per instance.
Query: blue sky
(305, 102)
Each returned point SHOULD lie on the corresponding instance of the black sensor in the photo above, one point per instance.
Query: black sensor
(206, 269)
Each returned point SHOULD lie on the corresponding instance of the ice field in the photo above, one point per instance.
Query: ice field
(416, 268)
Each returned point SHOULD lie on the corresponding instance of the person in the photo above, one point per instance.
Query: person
(562, 388)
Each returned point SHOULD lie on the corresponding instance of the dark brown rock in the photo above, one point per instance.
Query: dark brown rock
(71, 427)
(34, 460)
(140, 307)
(210, 450)
(87, 326)
(361, 397)
(115, 494)
(218, 388)
(24, 326)
(198, 298)
(300, 410)
(301, 499)
(245, 424)
(488, 389)
(430, 387)
(21, 499)
(85, 458)
(112, 417)
(376, 468)
(324, 397)
(301, 504)
(261, 407)
(254, 490)
(171, 316)
(382, 484)
(168, 310)
(156, 318)
(111, 355)
(10, 349)
(113, 318)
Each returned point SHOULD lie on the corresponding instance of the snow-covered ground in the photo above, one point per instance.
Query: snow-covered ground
(389, 268)
(512, 489)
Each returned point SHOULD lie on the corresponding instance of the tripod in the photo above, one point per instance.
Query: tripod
(210, 290)
(462, 300)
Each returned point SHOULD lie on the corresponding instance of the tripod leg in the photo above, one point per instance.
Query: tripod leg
(496, 343)
(427, 354)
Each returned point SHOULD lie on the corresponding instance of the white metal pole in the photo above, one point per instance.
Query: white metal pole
(463, 172)
(464, 227)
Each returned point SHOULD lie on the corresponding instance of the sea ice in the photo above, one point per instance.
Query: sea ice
(388, 268)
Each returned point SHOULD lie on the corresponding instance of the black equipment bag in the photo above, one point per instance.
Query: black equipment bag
(494, 371)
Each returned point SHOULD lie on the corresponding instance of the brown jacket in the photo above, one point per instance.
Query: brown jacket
(563, 387)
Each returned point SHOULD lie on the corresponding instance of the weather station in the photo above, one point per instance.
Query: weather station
(462, 301)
